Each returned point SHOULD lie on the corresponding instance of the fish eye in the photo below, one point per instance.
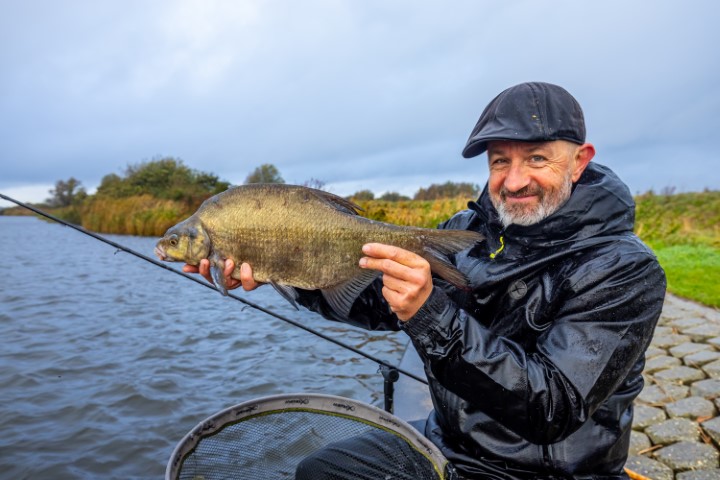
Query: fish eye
(173, 240)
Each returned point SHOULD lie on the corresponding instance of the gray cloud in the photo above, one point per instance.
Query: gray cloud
(380, 94)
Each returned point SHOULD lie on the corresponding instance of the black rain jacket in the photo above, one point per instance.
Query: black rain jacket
(533, 372)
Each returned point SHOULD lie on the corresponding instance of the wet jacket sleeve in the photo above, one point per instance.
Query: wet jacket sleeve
(545, 392)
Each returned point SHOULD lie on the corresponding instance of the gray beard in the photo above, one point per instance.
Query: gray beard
(550, 202)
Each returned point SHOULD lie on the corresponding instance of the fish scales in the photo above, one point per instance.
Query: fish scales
(292, 238)
(300, 237)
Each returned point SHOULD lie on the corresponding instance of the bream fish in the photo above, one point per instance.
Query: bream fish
(295, 236)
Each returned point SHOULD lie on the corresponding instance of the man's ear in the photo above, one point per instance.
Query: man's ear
(583, 154)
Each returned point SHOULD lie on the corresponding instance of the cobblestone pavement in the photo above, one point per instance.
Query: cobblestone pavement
(676, 429)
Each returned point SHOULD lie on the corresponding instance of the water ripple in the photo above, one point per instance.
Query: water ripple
(108, 362)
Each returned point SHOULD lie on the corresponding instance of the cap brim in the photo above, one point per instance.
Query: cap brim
(474, 149)
(478, 146)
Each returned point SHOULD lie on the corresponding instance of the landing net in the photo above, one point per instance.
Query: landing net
(267, 438)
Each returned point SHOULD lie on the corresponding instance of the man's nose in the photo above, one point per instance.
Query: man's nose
(517, 177)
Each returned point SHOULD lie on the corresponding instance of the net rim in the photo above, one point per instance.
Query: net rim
(311, 402)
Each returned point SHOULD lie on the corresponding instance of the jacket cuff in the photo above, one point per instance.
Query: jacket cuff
(429, 314)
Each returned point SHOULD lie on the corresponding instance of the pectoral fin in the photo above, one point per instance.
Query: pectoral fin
(288, 293)
(217, 267)
(342, 296)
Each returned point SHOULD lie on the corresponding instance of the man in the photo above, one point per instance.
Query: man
(534, 371)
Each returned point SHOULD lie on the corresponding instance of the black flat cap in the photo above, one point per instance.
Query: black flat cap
(530, 112)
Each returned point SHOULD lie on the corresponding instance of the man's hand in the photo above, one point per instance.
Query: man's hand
(246, 278)
(407, 281)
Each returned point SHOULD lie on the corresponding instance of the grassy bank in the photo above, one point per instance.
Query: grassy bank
(140, 215)
(684, 232)
(693, 272)
(418, 213)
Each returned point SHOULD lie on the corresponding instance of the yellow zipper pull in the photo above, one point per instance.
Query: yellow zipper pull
(502, 245)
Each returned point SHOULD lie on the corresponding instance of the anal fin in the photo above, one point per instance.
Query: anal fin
(342, 296)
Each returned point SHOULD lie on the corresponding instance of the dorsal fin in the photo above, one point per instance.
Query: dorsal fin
(339, 203)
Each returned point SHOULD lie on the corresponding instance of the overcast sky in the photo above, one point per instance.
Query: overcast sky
(359, 94)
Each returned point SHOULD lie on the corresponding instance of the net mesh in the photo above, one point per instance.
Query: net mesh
(271, 444)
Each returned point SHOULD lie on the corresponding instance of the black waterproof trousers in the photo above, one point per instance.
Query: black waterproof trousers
(382, 456)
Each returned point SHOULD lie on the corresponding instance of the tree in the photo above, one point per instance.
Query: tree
(448, 190)
(362, 196)
(266, 173)
(166, 177)
(66, 193)
(393, 197)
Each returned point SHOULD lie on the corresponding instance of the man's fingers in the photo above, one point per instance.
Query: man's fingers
(407, 280)
(386, 266)
(396, 262)
(396, 284)
(204, 269)
(246, 277)
(229, 267)
(396, 254)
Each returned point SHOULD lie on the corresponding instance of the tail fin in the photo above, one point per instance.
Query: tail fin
(438, 244)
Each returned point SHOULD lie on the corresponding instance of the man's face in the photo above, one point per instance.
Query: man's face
(529, 181)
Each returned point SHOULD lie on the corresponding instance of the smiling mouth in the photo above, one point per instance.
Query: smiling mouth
(521, 199)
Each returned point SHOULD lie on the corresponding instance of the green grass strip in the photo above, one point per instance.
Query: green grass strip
(693, 272)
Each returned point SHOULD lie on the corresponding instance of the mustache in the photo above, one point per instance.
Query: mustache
(523, 192)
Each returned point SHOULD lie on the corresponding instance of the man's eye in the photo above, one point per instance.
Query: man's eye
(537, 158)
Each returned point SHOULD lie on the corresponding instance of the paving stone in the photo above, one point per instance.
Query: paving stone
(654, 352)
(661, 362)
(715, 342)
(664, 330)
(713, 474)
(644, 416)
(667, 317)
(682, 323)
(669, 340)
(701, 358)
(709, 389)
(692, 408)
(639, 442)
(673, 430)
(678, 307)
(660, 394)
(682, 374)
(703, 332)
(712, 428)
(683, 456)
(649, 468)
(712, 369)
(687, 348)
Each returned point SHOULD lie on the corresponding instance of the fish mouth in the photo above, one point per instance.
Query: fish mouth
(160, 253)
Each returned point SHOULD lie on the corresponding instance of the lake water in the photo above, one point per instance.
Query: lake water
(107, 361)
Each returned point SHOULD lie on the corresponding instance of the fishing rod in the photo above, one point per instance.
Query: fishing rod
(387, 368)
